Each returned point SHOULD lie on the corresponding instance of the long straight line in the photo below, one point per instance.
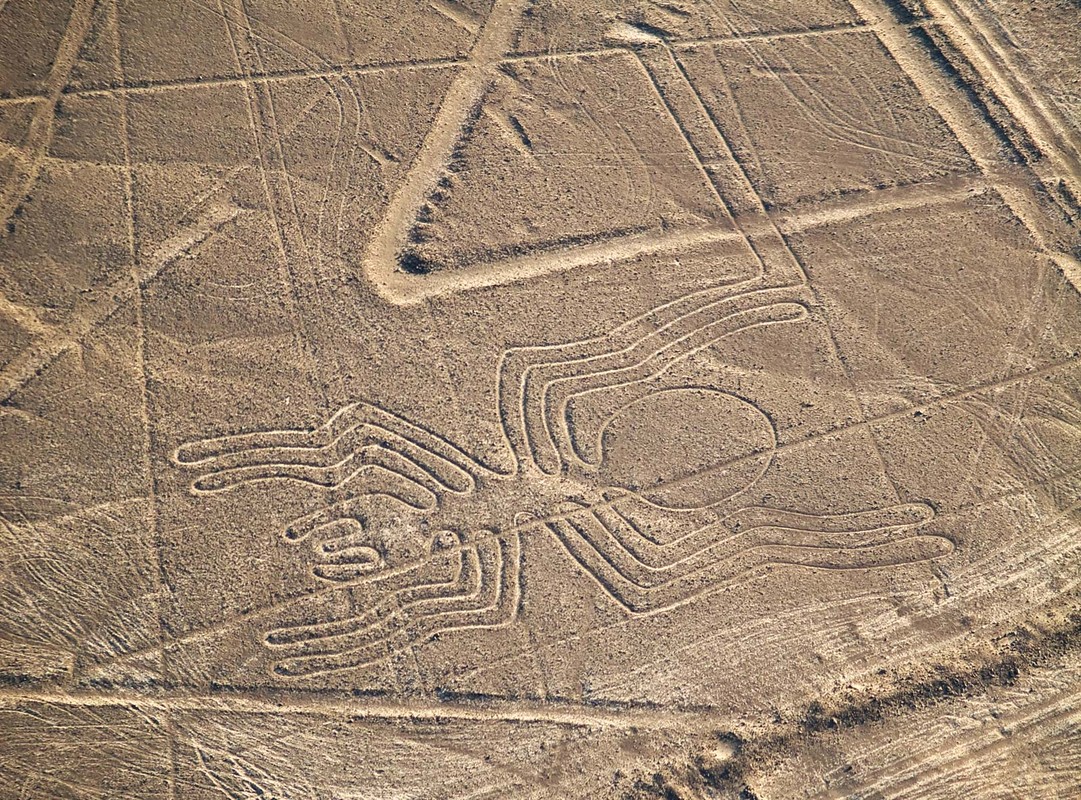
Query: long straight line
(973, 134)
(991, 57)
(344, 704)
(335, 70)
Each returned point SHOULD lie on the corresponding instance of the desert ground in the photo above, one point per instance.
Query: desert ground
(474, 399)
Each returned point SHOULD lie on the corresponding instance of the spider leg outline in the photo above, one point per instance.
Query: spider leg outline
(538, 384)
(645, 576)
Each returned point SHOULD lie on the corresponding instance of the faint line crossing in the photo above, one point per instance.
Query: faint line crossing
(22, 369)
(1054, 134)
(43, 122)
(685, 104)
(974, 136)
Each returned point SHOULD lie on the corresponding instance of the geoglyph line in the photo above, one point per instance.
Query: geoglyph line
(1054, 135)
(25, 366)
(337, 70)
(292, 701)
(464, 95)
(39, 354)
(973, 134)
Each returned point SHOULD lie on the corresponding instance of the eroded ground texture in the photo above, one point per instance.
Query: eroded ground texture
(463, 399)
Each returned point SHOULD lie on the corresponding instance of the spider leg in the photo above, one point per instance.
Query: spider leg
(630, 354)
(362, 453)
(889, 518)
(451, 574)
(355, 468)
(518, 361)
(645, 576)
(357, 434)
(485, 595)
(893, 553)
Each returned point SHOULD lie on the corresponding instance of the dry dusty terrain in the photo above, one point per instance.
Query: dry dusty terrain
(464, 399)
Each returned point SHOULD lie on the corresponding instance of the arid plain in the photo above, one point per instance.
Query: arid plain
(469, 399)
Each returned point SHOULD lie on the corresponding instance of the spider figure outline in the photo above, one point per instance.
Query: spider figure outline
(439, 533)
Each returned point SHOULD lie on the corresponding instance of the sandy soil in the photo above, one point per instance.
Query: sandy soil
(462, 399)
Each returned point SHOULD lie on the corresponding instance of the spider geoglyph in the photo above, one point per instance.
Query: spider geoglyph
(643, 485)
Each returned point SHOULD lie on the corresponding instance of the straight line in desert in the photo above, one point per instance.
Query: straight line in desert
(977, 40)
(411, 288)
(341, 704)
(934, 762)
(22, 369)
(409, 65)
(380, 261)
(42, 124)
(676, 93)
(884, 201)
(973, 134)
(55, 341)
(465, 93)
(268, 76)
(407, 288)
(765, 36)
